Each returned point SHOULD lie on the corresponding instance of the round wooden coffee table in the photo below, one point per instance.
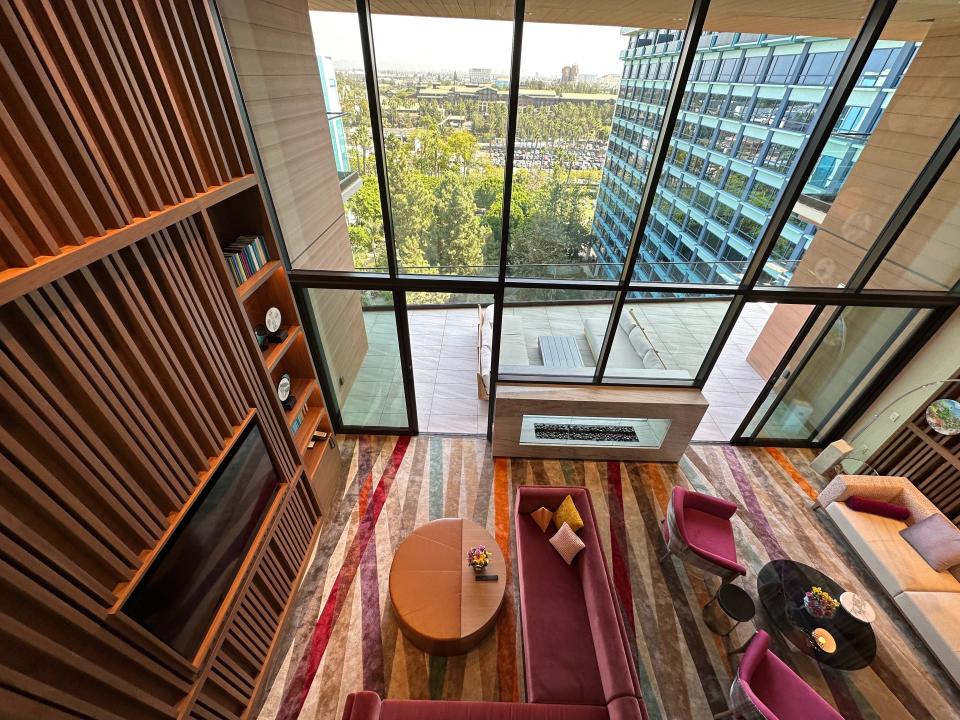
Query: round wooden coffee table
(440, 607)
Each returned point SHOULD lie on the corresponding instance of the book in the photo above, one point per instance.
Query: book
(298, 420)
(245, 256)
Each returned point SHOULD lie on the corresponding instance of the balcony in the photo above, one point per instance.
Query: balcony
(445, 357)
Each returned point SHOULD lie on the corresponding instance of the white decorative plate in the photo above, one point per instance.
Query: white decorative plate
(857, 607)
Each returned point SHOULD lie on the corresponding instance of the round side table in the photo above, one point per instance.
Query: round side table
(735, 603)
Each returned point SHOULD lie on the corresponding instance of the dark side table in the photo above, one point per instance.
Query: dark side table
(735, 603)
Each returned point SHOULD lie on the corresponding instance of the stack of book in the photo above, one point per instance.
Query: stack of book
(246, 255)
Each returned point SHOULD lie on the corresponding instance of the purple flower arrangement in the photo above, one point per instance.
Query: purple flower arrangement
(478, 557)
(819, 603)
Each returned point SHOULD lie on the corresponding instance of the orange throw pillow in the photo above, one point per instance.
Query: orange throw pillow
(542, 517)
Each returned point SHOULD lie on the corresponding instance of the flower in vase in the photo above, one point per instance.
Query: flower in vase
(478, 557)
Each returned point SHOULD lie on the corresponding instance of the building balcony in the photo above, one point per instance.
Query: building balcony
(446, 357)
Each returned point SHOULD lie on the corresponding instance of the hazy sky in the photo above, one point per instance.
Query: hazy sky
(418, 43)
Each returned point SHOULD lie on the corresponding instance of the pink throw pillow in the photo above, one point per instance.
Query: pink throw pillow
(937, 540)
(878, 507)
(566, 542)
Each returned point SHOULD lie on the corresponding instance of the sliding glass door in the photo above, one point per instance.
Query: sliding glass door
(842, 350)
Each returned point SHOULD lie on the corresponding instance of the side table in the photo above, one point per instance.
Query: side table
(735, 603)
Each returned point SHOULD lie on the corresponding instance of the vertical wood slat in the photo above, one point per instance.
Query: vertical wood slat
(931, 461)
(87, 358)
(112, 110)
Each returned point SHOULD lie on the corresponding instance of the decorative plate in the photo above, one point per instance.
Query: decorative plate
(944, 416)
(857, 607)
(283, 387)
(273, 319)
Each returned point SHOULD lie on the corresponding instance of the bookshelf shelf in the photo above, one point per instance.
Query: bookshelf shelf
(253, 283)
(274, 353)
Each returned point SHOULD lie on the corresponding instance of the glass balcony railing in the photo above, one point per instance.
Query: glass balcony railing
(713, 272)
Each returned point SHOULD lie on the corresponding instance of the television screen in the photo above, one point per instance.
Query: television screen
(178, 596)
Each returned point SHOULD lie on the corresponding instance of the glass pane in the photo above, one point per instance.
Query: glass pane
(892, 122)
(662, 336)
(749, 104)
(444, 86)
(585, 134)
(553, 333)
(358, 336)
(757, 344)
(450, 339)
(336, 39)
(926, 256)
(854, 349)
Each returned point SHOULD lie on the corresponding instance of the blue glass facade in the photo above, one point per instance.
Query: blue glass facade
(748, 108)
(331, 98)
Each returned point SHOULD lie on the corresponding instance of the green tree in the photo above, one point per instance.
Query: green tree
(456, 235)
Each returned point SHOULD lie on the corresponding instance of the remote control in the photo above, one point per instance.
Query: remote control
(487, 578)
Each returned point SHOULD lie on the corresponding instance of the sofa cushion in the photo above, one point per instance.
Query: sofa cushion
(488, 312)
(651, 361)
(560, 667)
(542, 517)
(566, 542)
(639, 341)
(567, 513)
(935, 616)
(878, 507)
(626, 708)
(937, 540)
(890, 558)
(467, 710)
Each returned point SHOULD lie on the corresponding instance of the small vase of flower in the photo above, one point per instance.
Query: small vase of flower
(478, 558)
(819, 603)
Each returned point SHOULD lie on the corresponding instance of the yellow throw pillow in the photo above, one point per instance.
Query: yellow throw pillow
(541, 516)
(567, 513)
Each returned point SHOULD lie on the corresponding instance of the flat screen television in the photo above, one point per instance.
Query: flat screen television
(178, 597)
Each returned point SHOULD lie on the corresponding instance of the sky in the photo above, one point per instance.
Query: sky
(431, 44)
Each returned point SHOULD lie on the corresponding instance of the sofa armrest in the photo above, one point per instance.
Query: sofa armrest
(916, 502)
(364, 705)
(882, 487)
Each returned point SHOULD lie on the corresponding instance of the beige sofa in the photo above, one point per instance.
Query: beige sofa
(930, 600)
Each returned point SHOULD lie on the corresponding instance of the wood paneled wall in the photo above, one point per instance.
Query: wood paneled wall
(272, 46)
(111, 111)
(127, 365)
(930, 460)
(271, 43)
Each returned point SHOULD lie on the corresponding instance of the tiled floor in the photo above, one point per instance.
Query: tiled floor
(444, 348)
(734, 384)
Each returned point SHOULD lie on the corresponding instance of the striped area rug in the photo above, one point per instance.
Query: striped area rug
(343, 636)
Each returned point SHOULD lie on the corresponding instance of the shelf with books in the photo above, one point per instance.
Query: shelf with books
(241, 231)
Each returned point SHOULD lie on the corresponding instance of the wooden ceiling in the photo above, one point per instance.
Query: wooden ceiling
(824, 18)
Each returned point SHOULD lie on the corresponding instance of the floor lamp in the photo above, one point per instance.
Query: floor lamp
(942, 415)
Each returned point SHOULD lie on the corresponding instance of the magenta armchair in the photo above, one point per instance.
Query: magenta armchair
(765, 687)
(697, 529)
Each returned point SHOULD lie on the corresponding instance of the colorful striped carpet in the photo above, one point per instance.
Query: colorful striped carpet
(343, 637)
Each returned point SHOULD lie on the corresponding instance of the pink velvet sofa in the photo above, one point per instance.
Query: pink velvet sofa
(577, 660)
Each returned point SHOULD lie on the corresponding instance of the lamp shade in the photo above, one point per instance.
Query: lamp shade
(943, 416)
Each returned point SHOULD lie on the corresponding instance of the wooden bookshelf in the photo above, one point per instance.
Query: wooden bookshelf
(244, 213)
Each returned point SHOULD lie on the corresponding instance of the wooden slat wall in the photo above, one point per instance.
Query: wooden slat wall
(126, 360)
(237, 670)
(112, 110)
(118, 386)
(930, 460)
